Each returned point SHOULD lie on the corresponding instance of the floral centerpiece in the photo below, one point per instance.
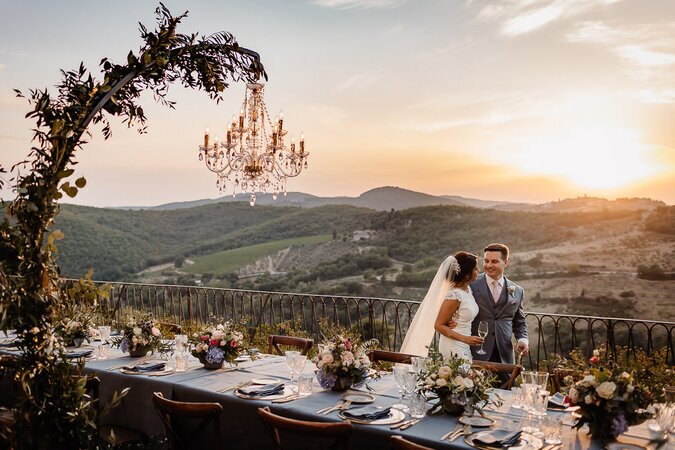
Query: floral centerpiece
(138, 336)
(74, 330)
(609, 395)
(342, 362)
(459, 388)
(216, 345)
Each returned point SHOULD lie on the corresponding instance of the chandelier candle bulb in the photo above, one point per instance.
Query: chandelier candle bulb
(206, 138)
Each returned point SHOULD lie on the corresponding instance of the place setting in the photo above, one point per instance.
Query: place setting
(148, 368)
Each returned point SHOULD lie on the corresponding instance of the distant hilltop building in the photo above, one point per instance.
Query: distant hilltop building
(363, 235)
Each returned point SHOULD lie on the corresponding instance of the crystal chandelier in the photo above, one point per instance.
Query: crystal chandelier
(253, 159)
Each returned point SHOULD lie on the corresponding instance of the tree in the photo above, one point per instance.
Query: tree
(51, 410)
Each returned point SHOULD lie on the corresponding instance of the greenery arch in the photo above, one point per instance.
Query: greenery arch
(50, 409)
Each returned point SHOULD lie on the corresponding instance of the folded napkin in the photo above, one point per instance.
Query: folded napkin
(367, 413)
(262, 391)
(498, 438)
(145, 367)
(79, 353)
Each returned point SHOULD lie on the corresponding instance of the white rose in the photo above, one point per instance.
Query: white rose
(155, 331)
(429, 381)
(441, 382)
(589, 380)
(630, 388)
(468, 382)
(459, 382)
(327, 358)
(444, 371)
(574, 395)
(347, 358)
(588, 399)
(606, 390)
(596, 352)
(137, 331)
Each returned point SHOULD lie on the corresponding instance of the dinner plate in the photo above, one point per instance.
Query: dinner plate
(358, 397)
(624, 446)
(395, 416)
(287, 391)
(242, 358)
(526, 441)
(476, 421)
(264, 381)
(155, 373)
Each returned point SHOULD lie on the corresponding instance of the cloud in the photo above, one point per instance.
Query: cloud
(358, 4)
(360, 80)
(518, 17)
(641, 56)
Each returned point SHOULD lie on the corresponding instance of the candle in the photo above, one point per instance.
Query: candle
(274, 139)
(292, 144)
(302, 143)
(281, 121)
(229, 134)
(206, 138)
(241, 119)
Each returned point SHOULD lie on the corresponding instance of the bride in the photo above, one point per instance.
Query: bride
(449, 299)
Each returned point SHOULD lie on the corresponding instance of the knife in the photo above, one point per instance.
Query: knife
(451, 432)
(400, 424)
(410, 424)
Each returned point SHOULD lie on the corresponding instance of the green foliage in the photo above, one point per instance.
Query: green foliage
(51, 410)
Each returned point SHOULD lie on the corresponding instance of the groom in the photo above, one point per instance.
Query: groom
(500, 303)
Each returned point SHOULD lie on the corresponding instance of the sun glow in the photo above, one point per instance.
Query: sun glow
(595, 157)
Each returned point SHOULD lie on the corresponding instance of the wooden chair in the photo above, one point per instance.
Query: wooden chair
(502, 370)
(383, 355)
(558, 375)
(169, 410)
(400, 443)
(337, 431)
(302, 344)
(170, 327)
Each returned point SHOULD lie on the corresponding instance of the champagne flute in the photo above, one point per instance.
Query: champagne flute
(482, 332)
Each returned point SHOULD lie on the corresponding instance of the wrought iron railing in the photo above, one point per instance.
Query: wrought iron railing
(381, 318)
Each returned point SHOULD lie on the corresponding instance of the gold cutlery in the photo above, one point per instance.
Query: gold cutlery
(410, 424)
(290, 398)
(457, 429)
(400, 424)
(234, 386)
(328, 409)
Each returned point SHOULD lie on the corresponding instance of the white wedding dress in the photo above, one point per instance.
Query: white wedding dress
(468, 310)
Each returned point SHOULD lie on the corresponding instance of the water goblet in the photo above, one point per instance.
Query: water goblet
(541, 379)
(305, 382)
(420, 363)
(540, 402)
(400, 371)
(517, 395)
(482, 332)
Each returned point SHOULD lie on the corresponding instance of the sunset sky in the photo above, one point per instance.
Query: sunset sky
(518, 100)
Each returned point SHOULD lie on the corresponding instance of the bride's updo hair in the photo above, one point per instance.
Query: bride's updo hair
(467, 262)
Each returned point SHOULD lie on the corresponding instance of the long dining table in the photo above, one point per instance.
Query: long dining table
(241, 427)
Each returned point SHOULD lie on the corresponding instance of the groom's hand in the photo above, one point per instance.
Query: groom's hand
(522, 348)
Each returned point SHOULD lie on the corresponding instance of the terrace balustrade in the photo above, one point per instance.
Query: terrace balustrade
(381, 318)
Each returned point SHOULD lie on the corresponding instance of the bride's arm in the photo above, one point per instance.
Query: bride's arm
(448, 308)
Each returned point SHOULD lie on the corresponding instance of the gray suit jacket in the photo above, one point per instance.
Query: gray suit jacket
(504, 318)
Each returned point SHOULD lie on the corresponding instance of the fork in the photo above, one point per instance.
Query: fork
(457, 429)
(328, 409)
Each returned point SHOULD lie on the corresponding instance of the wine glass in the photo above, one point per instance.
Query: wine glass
(290, 357)
(299, 362)
(482, 332)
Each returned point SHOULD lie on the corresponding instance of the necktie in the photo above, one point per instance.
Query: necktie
(495, 291)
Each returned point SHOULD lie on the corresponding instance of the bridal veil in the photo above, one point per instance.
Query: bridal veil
(421, 330)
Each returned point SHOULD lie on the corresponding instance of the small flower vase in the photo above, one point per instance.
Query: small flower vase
(342, 384)
(78, 342)
(141, 351)
(213, 366)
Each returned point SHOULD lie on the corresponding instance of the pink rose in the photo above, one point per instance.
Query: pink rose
(213, 342)
(348, 344)
(234, 344)
(155, 331)
(594, 360)
(205, 338)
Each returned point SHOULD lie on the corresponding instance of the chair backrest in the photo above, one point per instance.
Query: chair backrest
(399, 443)
(170, 327)
(169, 410)
(510, 370)
(394, 357)
(557, 377)
(339, 432)
(302, 344)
